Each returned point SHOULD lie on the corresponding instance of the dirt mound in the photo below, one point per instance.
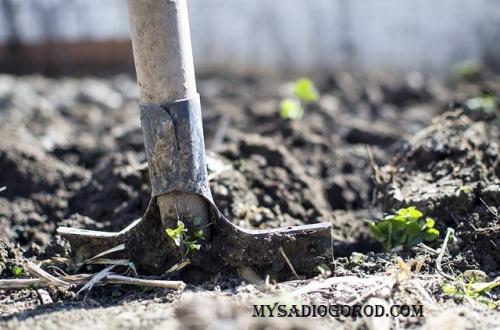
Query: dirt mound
(283, 190)
(119, 182)
(451, 170)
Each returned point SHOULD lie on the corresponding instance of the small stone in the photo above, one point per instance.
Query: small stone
(44, 297)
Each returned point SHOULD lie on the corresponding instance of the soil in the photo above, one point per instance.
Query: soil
(71, 154)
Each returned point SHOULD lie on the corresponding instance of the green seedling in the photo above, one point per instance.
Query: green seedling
(176, 234)
(291, 109)
(305, 90)
(405, 228)
(17, 271)
(468, 69)
(181, 237)
(193, 245)
(484, 103)
(303, 93)
(472, 288)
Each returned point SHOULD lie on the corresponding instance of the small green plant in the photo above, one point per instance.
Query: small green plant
(17, 271)
(291, 109)
(303, 93)
(180, 236)
(468, 69)
(472, 288)
(176, 234)
(305, 90)
(406, 227)
(485, 103)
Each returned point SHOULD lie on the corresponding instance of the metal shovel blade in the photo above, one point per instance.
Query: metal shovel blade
(229, 248)
(174, 144)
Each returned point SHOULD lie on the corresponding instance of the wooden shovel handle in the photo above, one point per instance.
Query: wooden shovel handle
(161, 42)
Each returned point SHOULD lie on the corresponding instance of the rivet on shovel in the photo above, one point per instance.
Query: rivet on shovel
(173, 137)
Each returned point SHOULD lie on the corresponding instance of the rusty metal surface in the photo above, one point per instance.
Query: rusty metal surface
(175, 147)
(229, 248)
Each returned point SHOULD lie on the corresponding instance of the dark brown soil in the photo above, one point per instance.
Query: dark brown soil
(457, 162)
(71, 154)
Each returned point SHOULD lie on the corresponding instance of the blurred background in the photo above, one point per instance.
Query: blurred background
(59, 37)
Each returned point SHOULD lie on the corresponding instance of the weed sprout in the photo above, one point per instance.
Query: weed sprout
(303, 92)
(406, 227)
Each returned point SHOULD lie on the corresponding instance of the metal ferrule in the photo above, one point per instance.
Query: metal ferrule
(175, 148)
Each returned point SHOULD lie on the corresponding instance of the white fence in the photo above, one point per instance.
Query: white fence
(428, 35)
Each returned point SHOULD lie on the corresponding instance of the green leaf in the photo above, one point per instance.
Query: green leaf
(199, 234)
(17, 271)
(413, 228)
(180, 226)
(468, 69)
(449, 289)
(415, 239)
(176, 233)
(171, 233)
(305, 90)
(398, 224)
(405, 227)
(385, 228)
(431, 234)
(410, 213)
(399, 218)
(379, 235)
(415, 214)
(291, 109)
(193, 245)
(429, 223)
(486, 103)
(399, 238)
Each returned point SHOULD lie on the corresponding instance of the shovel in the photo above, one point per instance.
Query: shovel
(182, 224)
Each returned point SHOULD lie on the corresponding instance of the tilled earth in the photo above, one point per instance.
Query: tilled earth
(71, 154)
